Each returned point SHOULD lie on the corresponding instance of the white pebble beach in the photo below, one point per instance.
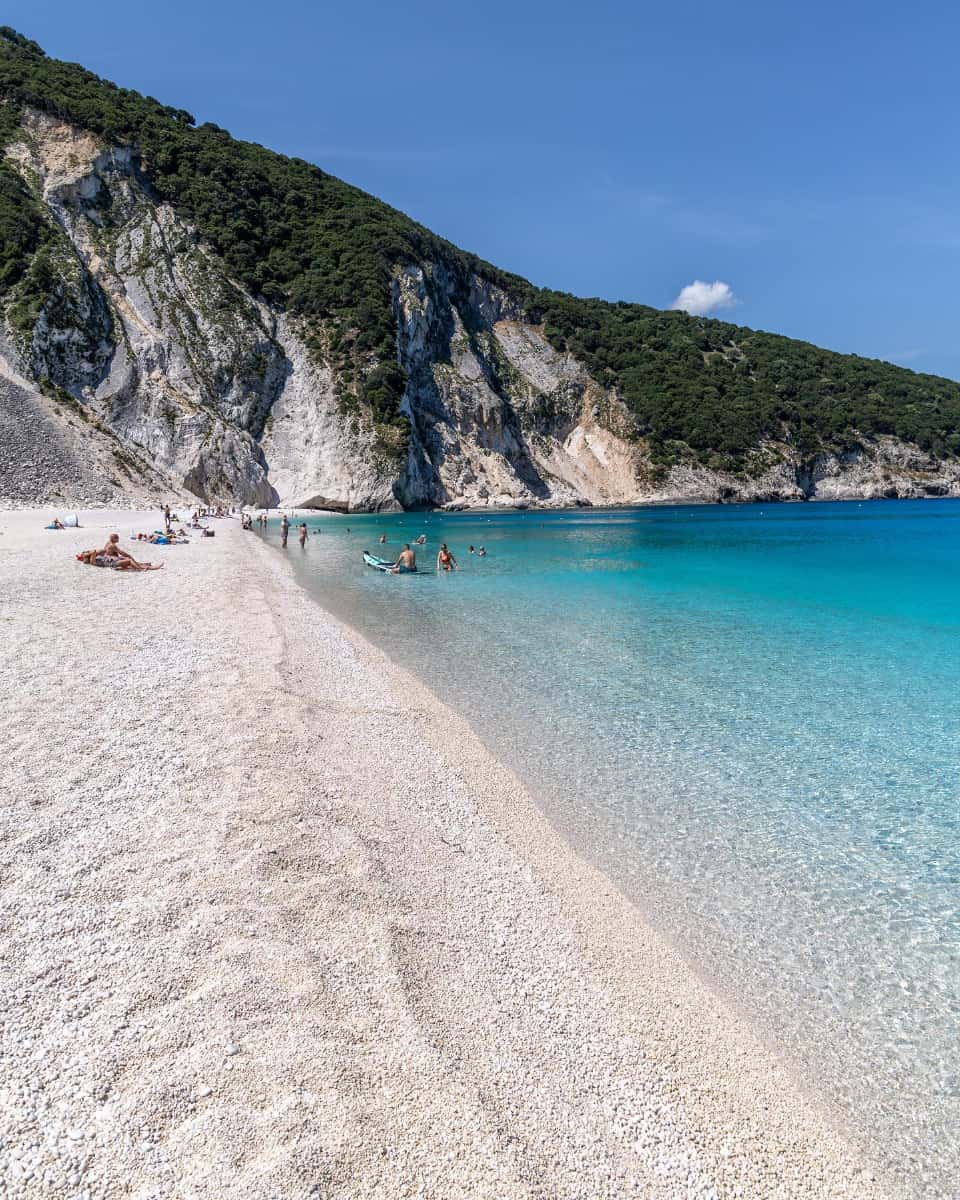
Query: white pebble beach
(276, 925)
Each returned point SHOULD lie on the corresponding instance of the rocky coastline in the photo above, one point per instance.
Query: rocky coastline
(150, 372)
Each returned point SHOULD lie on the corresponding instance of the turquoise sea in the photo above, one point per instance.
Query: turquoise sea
(749, 717)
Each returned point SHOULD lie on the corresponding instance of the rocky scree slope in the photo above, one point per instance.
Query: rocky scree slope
(242, 326)
(53, 452)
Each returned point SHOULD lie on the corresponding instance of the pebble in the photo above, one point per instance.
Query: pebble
(374, 990)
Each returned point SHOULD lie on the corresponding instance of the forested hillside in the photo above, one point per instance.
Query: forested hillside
(718, 389)
(701, 390)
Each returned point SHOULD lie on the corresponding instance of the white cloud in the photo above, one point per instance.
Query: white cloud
(699, 298)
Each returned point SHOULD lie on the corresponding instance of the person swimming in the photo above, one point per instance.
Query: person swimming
(445, 560)
(406, 563)
(482, 552)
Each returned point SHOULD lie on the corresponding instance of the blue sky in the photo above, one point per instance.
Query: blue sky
(803, 155)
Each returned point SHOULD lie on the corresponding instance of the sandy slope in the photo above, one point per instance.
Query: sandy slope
(273, 924)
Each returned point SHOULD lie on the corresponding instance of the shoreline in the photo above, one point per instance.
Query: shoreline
(135, 506)
(515, 1026)
(683, 1017)
(589, 506)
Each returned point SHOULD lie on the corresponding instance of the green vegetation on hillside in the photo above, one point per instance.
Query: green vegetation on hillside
(286, 230)
(24, 227)
(327, 251)
(718, 389)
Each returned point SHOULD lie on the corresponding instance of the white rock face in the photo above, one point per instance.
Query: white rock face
(148, 330)
(218, 393)
(884, 468)
(315, 458)
(499, 417)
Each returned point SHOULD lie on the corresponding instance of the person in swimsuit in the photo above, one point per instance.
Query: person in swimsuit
(303, 534)
(284, 530)
(114, 555)
(407, 561)
(482, 553)
(445, 560)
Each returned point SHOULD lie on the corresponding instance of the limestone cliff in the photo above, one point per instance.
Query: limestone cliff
(164, 363)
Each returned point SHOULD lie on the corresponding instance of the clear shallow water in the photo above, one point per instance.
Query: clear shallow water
(749, 718)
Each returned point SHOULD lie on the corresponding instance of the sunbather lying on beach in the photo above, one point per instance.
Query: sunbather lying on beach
(166, 539)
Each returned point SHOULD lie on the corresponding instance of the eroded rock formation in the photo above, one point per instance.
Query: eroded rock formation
(147, 352)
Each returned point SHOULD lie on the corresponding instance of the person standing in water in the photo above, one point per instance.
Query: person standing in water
(303, 534)
(383, 538)
(284, 530)
(445, 560)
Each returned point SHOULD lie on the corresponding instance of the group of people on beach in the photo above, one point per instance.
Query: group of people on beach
(196, 518)
(113, 555)
(165, 537)
(218, 512)
(247, 519)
